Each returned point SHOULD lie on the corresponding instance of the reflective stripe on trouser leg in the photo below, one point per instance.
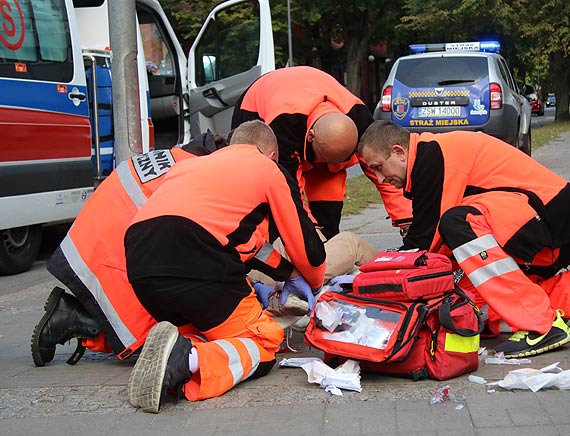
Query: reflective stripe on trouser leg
(238, 346)
(500, 282)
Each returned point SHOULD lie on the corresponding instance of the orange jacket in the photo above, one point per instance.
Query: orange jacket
(290, 100)
(212, 214)
(457, 168)
(91, 259)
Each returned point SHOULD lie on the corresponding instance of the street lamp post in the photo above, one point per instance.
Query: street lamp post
(289, 36)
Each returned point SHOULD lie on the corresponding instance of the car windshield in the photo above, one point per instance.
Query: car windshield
(441, 71)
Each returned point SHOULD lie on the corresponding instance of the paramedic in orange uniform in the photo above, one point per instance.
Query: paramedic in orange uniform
(317, 122)
(185, 252)
(104, 313)
(503, 215)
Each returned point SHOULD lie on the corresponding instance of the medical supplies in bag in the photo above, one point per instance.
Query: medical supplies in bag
(436, 337)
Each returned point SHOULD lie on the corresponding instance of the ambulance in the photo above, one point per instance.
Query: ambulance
(56, 100)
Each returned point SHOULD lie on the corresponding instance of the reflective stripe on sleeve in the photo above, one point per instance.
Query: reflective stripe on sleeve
(94, 286)
(264, 252)
(130, 185)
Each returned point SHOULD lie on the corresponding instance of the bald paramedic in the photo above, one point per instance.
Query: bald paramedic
(186, 251)
(318, 123)
(502, 216)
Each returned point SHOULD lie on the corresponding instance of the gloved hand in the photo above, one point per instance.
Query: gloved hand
(298, 286)
(336, 282)
(262, 292)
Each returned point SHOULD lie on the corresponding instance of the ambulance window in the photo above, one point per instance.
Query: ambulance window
(158, 57)
(229, 44)
(35, 41)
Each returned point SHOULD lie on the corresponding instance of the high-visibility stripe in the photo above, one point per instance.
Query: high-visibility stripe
(94, 286)
(475, 246)
(132, 188)
(461, 344)
(253, 351)
(234, 358)
(491, 270)
(265, 252)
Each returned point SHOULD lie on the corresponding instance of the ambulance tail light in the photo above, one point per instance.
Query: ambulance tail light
(496, 96)
(387, 99)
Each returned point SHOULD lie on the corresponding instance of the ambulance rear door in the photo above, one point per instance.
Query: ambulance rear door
(233, 48)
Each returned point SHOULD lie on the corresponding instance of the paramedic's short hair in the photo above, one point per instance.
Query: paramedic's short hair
(256, 133)
(382, 135)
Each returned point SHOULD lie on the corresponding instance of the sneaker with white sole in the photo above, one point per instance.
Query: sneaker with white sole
(525, 343)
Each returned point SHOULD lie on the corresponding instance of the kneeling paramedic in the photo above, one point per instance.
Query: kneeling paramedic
(503, 215)
(185, 253)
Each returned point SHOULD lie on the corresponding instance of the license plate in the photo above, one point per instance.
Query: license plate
(439, 111)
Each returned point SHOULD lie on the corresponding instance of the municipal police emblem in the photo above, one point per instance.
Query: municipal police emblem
(400, 107)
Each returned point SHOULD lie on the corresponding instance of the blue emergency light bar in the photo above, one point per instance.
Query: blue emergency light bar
(486, 46)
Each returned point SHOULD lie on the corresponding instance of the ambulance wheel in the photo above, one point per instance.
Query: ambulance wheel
(19, 248)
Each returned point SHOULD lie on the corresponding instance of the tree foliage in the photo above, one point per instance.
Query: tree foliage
(336, 35)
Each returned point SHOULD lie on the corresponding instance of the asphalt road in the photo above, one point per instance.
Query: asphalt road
(548, 117)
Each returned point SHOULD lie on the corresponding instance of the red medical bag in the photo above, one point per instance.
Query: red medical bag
(397, 275)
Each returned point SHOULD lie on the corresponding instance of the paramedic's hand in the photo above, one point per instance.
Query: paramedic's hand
(262, 292)
(336, 282)
(298, 286)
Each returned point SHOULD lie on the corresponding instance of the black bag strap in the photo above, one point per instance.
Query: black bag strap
(446, 320)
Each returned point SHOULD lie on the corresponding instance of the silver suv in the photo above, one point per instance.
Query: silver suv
(456, 86)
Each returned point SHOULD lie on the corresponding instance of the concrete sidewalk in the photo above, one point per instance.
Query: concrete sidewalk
(90, 398)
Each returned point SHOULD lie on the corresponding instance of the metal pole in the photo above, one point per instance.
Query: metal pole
(126, 100)
(290, 40)
(95, 108)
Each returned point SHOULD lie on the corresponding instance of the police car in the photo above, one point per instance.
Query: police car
(456, 86)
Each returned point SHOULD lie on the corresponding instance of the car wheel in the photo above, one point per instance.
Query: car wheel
(525, 142)
(19, 248)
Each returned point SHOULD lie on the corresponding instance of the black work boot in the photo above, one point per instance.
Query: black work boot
(65, 319)
(162, 366)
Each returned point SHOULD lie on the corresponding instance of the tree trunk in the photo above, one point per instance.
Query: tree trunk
(561, 79)
(356, 54)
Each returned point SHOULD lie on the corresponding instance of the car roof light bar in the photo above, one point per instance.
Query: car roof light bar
(486, 46)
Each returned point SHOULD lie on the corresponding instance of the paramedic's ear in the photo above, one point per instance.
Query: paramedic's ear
(399, 152)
